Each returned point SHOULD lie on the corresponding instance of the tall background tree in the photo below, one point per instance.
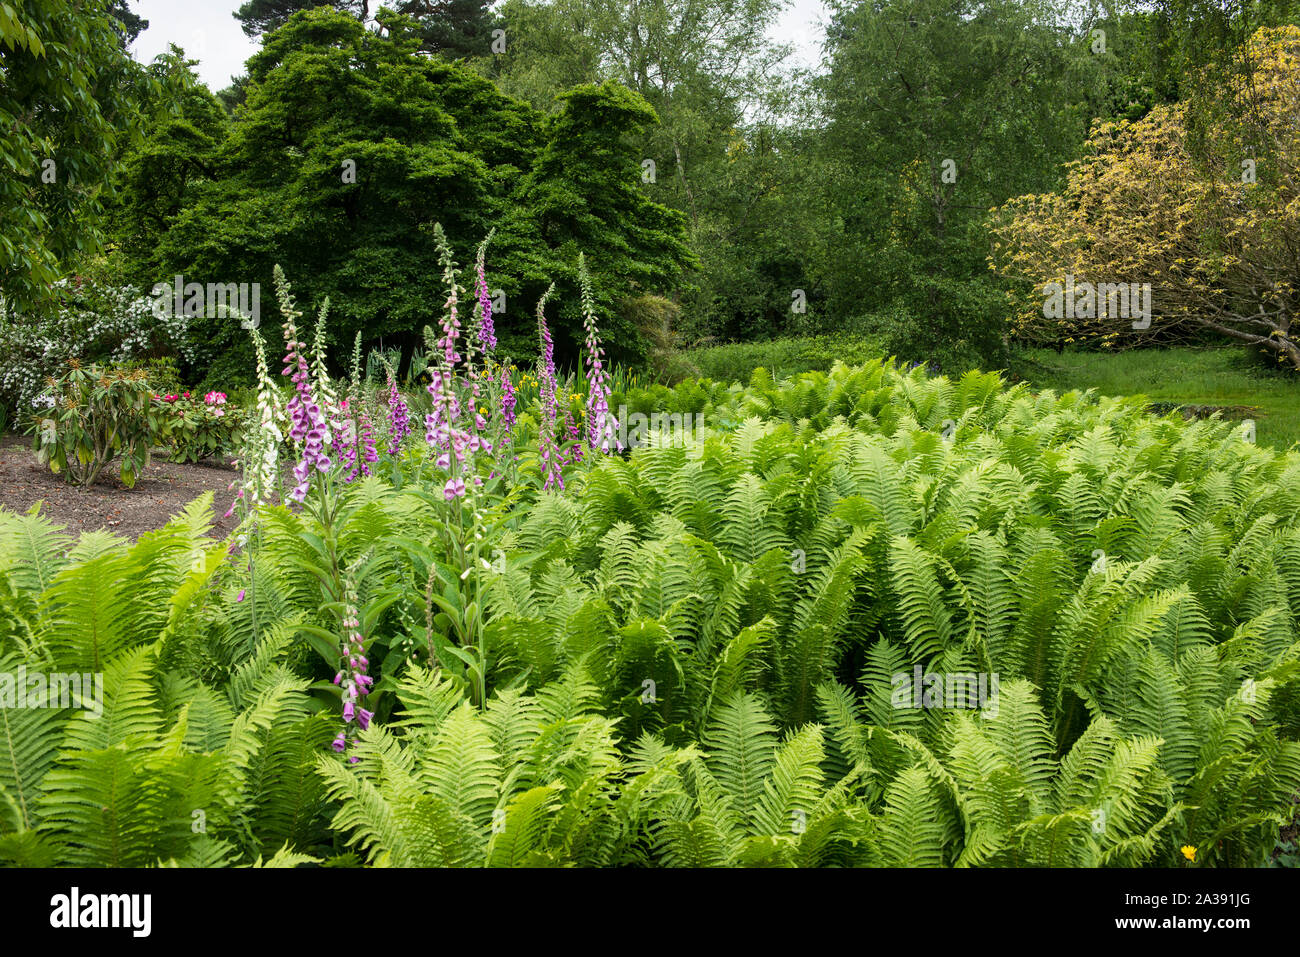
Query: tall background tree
(715, 80)
(1210, 224)
(69, 102)
(935, 111)
(453, 28)
(263, 16)
(350, 145)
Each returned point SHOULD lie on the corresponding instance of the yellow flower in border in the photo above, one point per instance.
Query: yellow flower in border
(1189, 852)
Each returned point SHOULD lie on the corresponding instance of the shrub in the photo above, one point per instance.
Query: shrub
(88, 417)
(736, 362)
(94, 321)
(1199, 200)
(197, 429)
(163, 375)
(968, 331)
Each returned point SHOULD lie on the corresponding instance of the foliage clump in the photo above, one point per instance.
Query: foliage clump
(692, 655)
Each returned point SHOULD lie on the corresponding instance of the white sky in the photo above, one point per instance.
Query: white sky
(208, 33)
(804, 25)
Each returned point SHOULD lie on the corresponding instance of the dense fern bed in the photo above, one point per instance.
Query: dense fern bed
(701, 653)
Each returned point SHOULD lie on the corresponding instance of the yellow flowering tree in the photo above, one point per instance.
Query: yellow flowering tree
(1203, 206)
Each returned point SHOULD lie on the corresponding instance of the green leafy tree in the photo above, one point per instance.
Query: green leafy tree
(1182, 47)
(69, 102)
(722, 104)
(350, 145)
(453, 28)
(584, 194)
(264, 16)
(164, 171)
(936, 111)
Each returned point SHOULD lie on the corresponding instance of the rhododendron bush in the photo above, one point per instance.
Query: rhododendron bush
(197, 427)
(92, 416)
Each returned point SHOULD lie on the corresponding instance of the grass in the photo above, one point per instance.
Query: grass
(1185, 376)
(735, 362)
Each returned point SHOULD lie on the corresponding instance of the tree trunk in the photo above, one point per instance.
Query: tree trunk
(1282, 346)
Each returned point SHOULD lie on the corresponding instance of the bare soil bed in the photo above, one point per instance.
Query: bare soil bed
(160, 492)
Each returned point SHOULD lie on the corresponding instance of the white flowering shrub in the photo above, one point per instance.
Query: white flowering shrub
(94, 322)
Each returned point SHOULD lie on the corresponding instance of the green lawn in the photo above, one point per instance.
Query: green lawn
(1188, 376)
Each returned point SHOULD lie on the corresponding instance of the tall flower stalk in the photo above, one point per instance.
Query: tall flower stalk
(352, 678)
(456, 439)
(261, 455)
(360, 452)
(492, 392)
(548, 447)
(359, 442)
(602, 425)
(487, 336)
(325, 392)
(508, 400)
(482, 341)
(443, 429)
(399, 414)
(308, 429)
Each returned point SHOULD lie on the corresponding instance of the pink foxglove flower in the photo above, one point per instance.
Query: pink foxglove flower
(571, 428)
(508, 400)
(451, 435)
(352, 678)
(602, 426)
(487, 336)
(442, 429)
(548, 446)
(308, 428)
(399, 418)
(359, 444)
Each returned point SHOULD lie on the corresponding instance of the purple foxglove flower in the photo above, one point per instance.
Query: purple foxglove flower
(360, 445)
(486, 333)
(602, 425)
(399, 418)
(548, 449)
(352, 676)
(508, 400)
(307, 427)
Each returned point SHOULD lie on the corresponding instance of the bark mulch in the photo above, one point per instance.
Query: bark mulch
(160, 492)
